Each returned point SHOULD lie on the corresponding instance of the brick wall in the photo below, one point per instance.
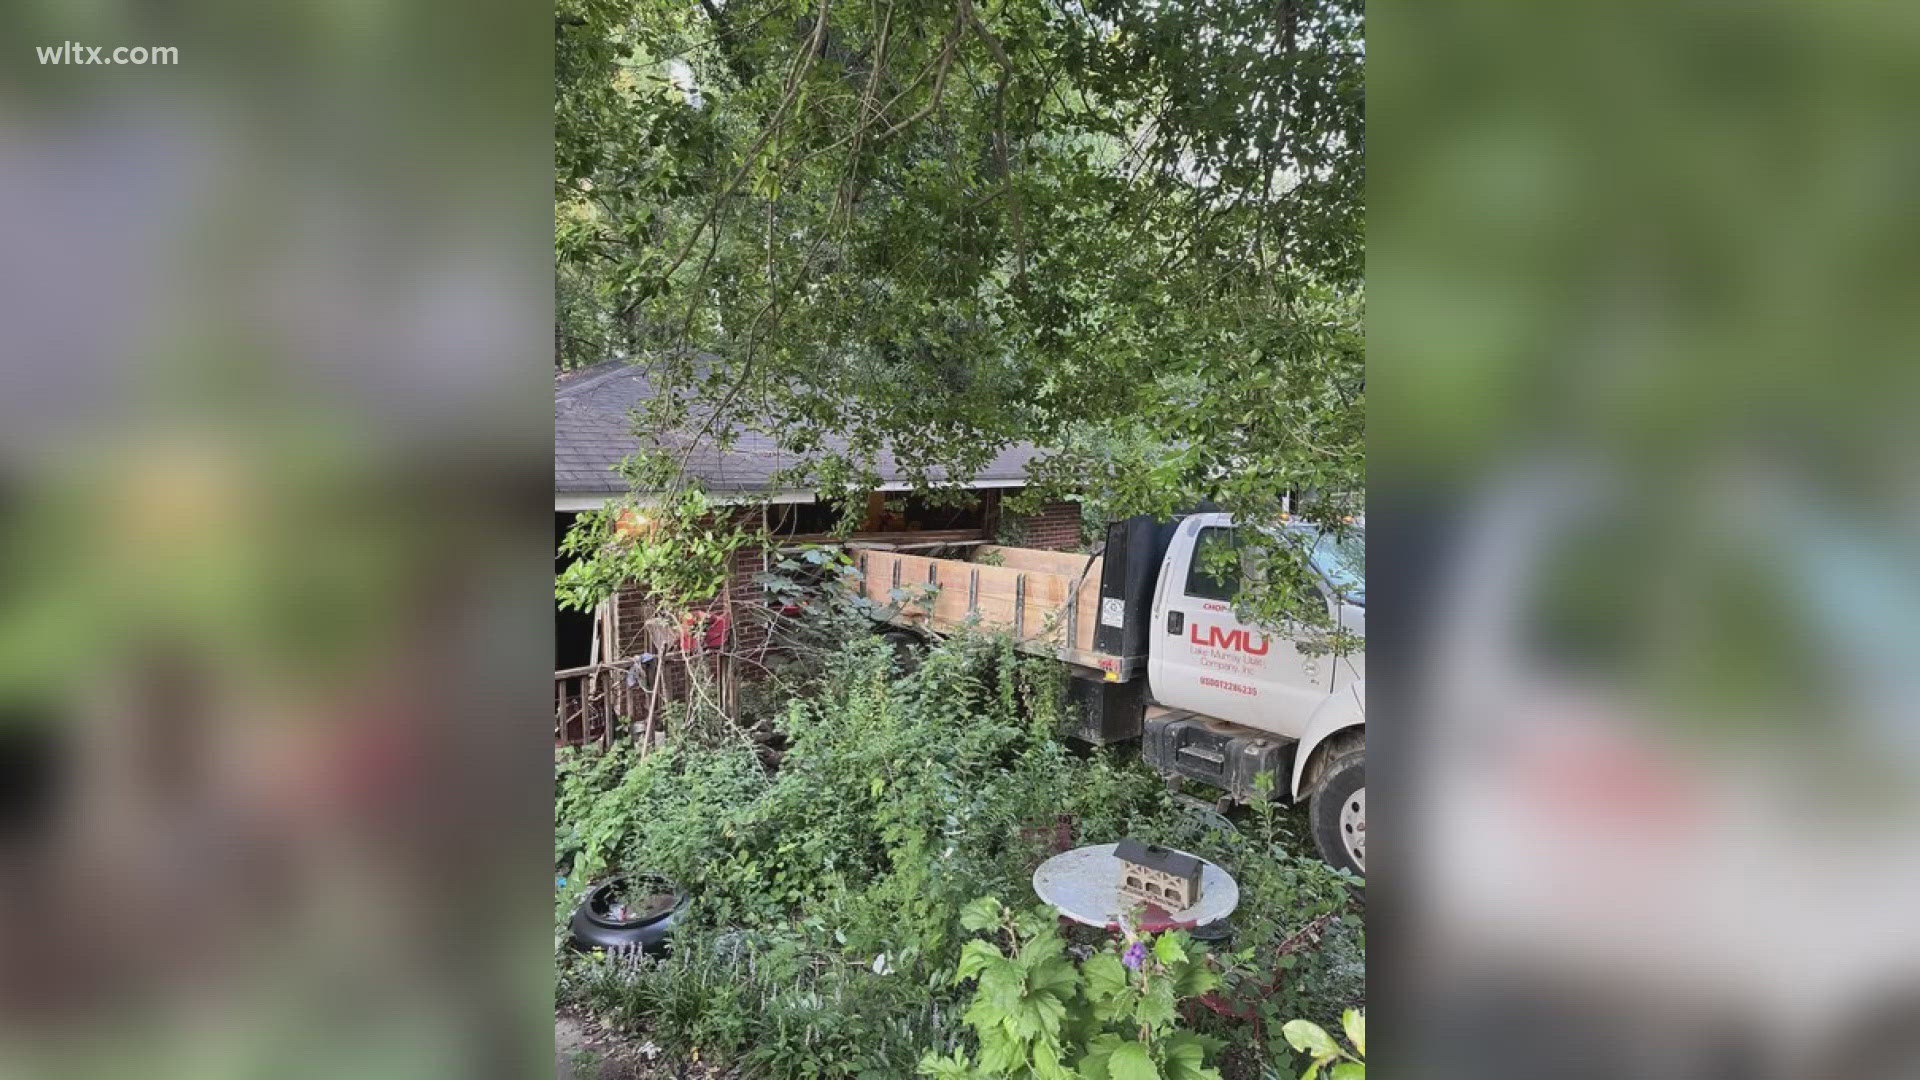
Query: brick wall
(743, 598)
(745, 648)
(1055, 528)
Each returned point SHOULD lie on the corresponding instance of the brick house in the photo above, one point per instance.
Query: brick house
(593, 435)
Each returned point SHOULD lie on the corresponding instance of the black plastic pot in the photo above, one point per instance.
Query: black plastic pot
(620, 914)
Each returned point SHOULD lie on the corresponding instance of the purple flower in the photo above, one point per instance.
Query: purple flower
(1136, 955)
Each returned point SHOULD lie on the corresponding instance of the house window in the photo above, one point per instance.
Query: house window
(1152, 889)
(1133, 882)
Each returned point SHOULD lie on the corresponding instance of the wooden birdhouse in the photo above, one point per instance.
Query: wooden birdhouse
(1157, 875)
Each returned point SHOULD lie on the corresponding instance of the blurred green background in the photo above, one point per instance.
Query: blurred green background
(1656, 262)
(274, 552)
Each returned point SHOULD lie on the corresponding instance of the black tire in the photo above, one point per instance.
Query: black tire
(1344, 784)
(594, 928)
(909, 648)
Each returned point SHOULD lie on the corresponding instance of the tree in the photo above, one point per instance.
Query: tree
(943, 229)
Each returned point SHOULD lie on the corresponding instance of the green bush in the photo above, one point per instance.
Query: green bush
(828, 892)
(1114, 1016)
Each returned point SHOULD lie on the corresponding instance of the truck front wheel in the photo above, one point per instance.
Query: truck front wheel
(1337, 813)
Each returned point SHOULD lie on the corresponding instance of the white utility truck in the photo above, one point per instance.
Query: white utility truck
(1156, 652)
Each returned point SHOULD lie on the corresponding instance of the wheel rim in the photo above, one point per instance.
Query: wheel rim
(1353, 827)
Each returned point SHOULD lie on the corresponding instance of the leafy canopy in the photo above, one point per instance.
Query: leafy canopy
(942, 228)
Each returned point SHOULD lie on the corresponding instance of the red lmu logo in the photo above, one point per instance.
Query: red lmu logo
(1219, 637)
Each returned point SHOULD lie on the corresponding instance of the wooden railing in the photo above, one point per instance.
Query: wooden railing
(594, 704)
(629, 698)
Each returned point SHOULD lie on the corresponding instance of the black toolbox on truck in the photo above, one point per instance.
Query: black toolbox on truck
(1130, 565)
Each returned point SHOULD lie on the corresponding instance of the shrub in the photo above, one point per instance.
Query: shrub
(828, 893)
(1038, 1014)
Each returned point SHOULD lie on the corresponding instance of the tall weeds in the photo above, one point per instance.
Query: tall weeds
(827, 892)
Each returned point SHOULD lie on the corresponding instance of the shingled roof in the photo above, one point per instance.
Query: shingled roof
(592, 434)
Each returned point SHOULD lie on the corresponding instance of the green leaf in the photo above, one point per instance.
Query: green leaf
(1311, 1039)
(1039, 1016)
(1093, 1064)
(1045, 946)
(1168, 950)
(981, 914)
(1000, 1054)
(1002, 984)
(1105, 975)
(977, 956)
(1046, 1064)
(1192, 980)
(1130, 1061)
(957, 1067)
(1158, 1006)
(1348, 1070)
(1355, 1023)
(1183, 1057)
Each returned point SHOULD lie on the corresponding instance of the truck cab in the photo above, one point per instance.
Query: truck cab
(1236, 700)
(1205, 658)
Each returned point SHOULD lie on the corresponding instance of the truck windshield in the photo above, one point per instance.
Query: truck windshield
(1342, 560)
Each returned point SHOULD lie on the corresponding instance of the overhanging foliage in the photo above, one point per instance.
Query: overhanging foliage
(941, 229)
